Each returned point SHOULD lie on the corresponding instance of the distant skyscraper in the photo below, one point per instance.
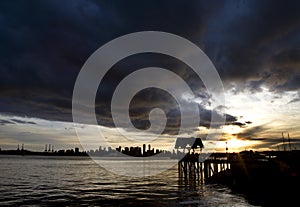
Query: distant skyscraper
(144, 149)
(76, 150)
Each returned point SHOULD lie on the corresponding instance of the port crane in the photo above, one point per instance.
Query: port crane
(288, 139)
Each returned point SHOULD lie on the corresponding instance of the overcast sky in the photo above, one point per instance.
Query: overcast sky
(254, 45)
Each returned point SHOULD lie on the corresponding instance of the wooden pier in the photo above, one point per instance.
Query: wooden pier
(194, 169)
(244, 168)
(268, 177)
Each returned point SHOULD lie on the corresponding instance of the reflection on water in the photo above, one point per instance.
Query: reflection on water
(78, 181)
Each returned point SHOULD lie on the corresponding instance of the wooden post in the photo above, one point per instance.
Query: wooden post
(215, 168)
(205, 170)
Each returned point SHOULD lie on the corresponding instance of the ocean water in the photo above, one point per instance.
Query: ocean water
(79, 181)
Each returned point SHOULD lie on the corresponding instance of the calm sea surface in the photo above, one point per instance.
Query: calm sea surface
(79, 181)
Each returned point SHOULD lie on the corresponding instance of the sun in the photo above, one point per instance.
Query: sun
(235, 143)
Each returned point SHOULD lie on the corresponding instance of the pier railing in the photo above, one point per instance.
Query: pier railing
(193, 168)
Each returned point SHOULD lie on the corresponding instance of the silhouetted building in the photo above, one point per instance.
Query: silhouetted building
(126, 151)
(144, 149)
(76, 150)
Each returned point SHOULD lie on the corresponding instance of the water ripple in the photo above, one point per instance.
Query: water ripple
(58, 181)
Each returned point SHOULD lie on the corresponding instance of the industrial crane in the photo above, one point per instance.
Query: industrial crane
(283, 140)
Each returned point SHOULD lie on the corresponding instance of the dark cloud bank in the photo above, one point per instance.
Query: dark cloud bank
(45, 43)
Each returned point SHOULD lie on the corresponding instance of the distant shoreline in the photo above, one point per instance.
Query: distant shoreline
(105, 155)
(27, 152)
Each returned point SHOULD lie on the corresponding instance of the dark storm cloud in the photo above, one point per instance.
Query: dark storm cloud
(18, 121)
(295, 100)
(45, 43)
(40, 103)
(243, 40)
(240, 124)
(4, 122)
(15, 121)
(253, 133)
